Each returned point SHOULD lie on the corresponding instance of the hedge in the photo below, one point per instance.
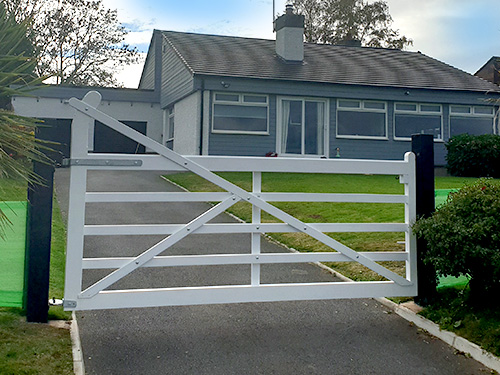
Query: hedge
(474, 155)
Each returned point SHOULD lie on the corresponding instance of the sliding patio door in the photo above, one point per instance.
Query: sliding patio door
(303, 127)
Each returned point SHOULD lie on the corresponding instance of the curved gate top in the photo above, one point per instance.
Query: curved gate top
(102, 293)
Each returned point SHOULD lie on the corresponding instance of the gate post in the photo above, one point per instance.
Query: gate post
(423, 147)
(38, 240)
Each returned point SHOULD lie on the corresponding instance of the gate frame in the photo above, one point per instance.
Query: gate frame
(97, 297)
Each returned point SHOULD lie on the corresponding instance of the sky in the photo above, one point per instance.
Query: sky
(462, 33)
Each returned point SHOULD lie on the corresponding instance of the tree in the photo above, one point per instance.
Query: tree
(79, 42)
(335, 21)
(18, 145)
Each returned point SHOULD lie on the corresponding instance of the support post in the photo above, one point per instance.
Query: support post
(423, 148)
(38, 240)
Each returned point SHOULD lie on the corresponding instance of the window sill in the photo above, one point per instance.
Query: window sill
(238, 132)
(372, 138)
(405, 139)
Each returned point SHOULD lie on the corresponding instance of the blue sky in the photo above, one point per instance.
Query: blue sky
(462, 33)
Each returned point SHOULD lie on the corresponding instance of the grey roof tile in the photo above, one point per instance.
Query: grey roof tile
(256, 58)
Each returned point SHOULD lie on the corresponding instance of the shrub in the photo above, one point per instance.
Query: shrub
(474, 156)
(463, 237)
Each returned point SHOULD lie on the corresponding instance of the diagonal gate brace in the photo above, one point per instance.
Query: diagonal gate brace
(238, 192)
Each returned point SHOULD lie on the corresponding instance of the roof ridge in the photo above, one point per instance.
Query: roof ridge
(217, 35)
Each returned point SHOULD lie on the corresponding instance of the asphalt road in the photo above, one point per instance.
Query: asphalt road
(318, 337)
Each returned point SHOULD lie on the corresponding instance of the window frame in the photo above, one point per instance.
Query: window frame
(417, 112)
(241, 103)
(361, 108)
(171, 125)
(472, 114)
(326, 126)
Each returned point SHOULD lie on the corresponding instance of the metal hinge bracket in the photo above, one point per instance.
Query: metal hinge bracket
(102, 162)
(69, 304)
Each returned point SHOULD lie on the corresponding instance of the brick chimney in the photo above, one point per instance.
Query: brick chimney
(289, 30)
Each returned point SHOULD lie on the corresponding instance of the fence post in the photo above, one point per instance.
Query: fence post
(38, 240)
(423, 147)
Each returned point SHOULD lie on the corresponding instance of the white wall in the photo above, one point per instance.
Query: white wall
(187, 125)
(59, 108)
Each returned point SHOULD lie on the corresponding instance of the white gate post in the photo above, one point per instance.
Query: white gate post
(76, 212)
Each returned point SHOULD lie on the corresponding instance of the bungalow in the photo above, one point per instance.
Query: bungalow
(223, 95)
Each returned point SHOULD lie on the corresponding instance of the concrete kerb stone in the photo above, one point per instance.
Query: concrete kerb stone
(76, 346)
(455, 341)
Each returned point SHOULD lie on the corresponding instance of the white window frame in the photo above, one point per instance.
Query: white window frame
(418, 112)
(241, 103)
(361, 108)
(171, 125)
(279, 126)
(473, 114)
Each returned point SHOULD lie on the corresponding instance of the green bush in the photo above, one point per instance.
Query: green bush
(463, 237)
(474, 155)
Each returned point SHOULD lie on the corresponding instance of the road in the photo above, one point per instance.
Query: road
(318, 337)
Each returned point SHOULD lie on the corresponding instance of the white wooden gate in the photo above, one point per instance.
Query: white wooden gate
(100, 296)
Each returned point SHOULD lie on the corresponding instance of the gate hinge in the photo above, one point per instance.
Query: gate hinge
(102, 162)
(67, 304)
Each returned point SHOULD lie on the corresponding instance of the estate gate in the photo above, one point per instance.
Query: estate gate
(100, 296)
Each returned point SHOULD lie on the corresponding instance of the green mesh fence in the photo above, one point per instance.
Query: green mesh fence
(440, 195)
(12, 255)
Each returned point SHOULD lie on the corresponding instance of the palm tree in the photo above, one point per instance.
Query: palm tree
(18, 145)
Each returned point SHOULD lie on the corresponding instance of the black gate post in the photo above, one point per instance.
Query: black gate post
(422, 146)
(38, 240)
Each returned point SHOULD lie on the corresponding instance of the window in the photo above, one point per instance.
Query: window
(302, 127)
(414, 118)
(170, 129)
(474, 120)
(240, 113)
(361, 119)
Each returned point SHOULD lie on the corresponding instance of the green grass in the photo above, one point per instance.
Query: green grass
(453, 312)
(323, 212)
(27, 348)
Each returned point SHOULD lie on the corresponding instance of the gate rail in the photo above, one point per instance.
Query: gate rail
(98, 296)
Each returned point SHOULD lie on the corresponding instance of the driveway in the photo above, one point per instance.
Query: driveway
(305, 337)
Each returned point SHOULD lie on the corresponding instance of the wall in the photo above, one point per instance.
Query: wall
(259, 145)
(187, 125)
(176, 79)
(53, 108)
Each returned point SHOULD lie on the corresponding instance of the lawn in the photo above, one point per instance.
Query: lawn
(27, 348)
(328, 212)
(452, 312)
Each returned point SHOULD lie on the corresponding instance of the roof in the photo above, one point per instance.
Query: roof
(494, 61)
(256, 58)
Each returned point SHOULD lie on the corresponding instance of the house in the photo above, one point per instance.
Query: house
(223, 95)
(490, 71)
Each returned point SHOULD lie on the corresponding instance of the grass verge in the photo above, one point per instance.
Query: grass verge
(453, 312)
(27, 348)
